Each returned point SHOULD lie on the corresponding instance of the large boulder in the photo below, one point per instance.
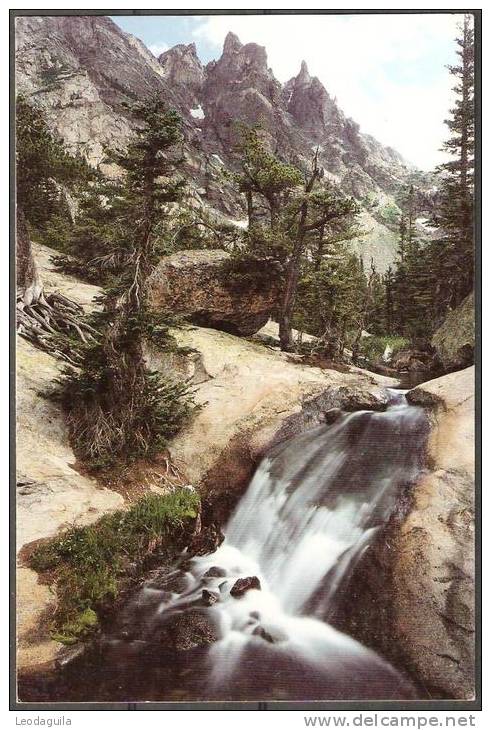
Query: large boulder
(454, 340)
(201, 286)
(412, 594)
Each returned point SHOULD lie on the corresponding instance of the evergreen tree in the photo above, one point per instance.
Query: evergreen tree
(301, 208)
(454, 252)
(118, 410)
(43, 167)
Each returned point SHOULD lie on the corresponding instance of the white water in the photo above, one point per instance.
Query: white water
(312, 508)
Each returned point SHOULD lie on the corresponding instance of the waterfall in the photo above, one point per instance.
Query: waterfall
(313, 506)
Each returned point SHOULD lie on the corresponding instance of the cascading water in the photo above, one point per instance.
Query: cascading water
(313, 506)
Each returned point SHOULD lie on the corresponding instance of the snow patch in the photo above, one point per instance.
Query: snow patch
(197, 112)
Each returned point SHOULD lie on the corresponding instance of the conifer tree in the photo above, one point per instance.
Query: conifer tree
(118, 410)
(301, 207)
(454, 254)
(44, 174)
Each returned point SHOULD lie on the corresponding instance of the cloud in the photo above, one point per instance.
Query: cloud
(158, 48)
(386, 71)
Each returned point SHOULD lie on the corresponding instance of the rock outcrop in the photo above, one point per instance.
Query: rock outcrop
(412, 594)
(197, 285)
(454, 340)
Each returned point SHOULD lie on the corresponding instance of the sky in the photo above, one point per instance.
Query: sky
(387, 72)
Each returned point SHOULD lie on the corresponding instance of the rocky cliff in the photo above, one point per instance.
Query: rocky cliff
(81, 70)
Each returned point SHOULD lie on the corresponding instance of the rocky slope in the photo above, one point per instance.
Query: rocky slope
(51, 493)
(80, 71)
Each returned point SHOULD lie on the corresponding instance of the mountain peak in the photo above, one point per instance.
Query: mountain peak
(181, 66)
(231, 44)
(303, 76)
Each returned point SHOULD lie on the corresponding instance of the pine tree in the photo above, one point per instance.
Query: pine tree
(454, 254)
(118, 410)
(301, 208)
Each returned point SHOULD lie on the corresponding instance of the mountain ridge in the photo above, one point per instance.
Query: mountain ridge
(82, 69)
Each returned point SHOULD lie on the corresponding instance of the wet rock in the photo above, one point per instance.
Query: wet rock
(242, 585)
(255, 615)
(209, 539)
(411, 596)
(69, 654)
(454, 341)
(215, 572)
(413, 360)
(333, 415)
(209, 597)
(188, 630)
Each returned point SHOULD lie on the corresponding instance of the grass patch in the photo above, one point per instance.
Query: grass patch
(91, 565)
(374, 347)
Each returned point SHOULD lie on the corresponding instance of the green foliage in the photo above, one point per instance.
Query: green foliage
(118, 410)
(372, 348)
(389, 213)
(44, 169)
(292, 215)
(263, 173)
(453, 252)
(91, 565)
(330, 300)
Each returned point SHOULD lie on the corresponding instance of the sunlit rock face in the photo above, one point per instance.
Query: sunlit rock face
(80, 70)
(183, 71)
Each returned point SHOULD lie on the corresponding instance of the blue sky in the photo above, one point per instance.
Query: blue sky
(386, 71)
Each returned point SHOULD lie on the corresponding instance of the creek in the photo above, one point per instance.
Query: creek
(312, 508)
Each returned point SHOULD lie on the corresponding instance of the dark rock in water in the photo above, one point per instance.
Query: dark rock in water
(187, 630)
(332, 415)
(209, 597)
(215, 572)
(255, 614)
(242, 585)
(209, 539)
(259, 631)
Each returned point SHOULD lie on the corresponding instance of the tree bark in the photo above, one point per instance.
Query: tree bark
(29, 284)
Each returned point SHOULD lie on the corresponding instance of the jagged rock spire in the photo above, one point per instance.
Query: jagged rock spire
(232, 44)
(304, 76)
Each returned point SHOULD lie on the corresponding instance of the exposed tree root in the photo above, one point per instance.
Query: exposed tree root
(53, 323)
